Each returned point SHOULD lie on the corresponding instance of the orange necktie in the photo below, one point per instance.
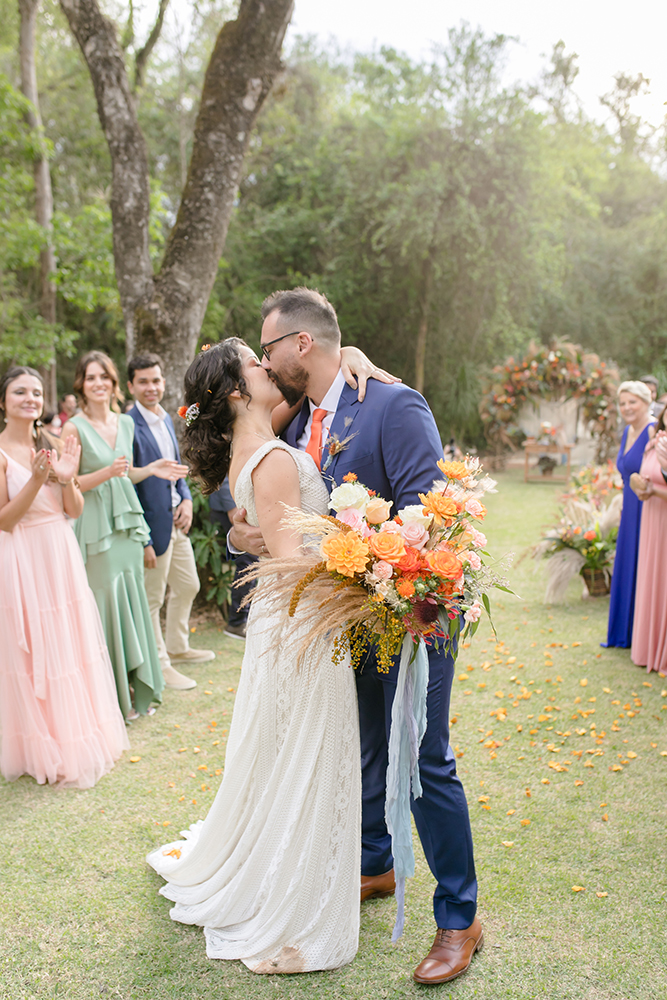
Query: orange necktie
(314, 446)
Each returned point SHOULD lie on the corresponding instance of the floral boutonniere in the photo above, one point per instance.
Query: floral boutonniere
(334, 445)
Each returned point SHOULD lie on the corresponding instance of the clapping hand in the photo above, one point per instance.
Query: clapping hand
(40, 464)
(66, 465)
(640, 486)
(165, 468)
(119, 467)
(661, 448)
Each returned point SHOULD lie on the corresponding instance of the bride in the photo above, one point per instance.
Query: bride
(272, 873)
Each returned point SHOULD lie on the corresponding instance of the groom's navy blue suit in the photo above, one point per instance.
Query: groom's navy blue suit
(394, 451)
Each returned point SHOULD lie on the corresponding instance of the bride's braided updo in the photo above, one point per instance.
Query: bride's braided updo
(212, 376)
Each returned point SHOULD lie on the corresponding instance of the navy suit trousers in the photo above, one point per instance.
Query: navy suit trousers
(441, 812)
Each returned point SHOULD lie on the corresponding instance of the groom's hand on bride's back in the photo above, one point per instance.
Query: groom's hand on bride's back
(243, 537)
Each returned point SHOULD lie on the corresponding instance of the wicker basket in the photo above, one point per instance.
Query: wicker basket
(597, 582)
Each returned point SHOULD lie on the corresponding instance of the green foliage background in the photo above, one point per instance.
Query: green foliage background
(409, 192)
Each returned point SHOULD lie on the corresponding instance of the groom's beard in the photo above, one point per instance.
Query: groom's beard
(292, 382)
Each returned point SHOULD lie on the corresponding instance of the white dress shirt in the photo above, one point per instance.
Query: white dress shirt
(330, 404)
(163, 439)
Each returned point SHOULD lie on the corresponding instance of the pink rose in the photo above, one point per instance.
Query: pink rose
(392, 527)
(473, 559)
(351, 516)
(414, 535)
(478, 539)
(383, 570)
(475, 508)
(473, 613)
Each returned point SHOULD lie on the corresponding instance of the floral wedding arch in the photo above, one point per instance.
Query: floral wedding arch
(555, 373)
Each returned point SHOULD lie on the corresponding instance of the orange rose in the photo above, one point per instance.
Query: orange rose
(444, 564)
(346, 553)
(590, 535)
(410, 562)
(377, 510)
(387, 545)
(440, 506)
(405, 588)
(453, 470)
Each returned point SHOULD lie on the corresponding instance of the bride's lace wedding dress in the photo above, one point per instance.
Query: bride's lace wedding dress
(273, 872)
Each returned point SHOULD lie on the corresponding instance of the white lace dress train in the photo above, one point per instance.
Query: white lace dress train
(272, 873)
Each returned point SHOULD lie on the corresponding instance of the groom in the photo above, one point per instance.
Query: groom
(391, 443)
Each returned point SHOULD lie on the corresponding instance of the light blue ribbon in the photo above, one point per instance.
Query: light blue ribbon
(408, 725)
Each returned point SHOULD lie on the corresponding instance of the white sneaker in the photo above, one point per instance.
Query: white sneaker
(192, 656)
(179, 682)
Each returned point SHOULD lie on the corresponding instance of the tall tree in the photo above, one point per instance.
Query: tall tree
(164, 311)
(43, 194)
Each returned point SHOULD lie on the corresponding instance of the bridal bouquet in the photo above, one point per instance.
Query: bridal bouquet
(418, 573)
(370, 579)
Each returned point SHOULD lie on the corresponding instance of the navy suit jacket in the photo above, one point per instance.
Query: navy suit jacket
(155, 494)
(395, 444)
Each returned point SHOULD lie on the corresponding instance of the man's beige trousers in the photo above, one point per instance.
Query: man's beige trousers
(177, 568)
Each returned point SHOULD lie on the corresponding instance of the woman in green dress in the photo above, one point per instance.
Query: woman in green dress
(112, 531)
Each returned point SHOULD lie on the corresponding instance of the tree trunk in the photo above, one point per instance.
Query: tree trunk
(130, 190)
(164, 313)
(422, 331)
(43, 193)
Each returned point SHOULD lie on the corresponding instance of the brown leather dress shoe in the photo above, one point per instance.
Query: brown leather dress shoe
(450, 955)
(378, 886)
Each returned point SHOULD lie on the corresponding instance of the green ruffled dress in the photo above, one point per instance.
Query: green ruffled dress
(112, 534)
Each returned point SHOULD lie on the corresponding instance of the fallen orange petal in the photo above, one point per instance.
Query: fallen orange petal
(507, 843)
(578, 888)
(133, 760)
(601, 895)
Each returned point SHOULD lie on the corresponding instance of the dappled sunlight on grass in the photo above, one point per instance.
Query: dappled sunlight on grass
(562, 748)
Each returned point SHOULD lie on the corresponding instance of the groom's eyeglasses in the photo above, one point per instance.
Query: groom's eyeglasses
(284, 336)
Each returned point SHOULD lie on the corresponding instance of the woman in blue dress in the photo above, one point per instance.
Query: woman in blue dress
(634, 401)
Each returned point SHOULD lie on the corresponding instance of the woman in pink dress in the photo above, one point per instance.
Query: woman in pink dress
(649, 633)
(59, 715)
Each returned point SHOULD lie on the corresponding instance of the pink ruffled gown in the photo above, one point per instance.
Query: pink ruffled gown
(59, 715)
(649, 633)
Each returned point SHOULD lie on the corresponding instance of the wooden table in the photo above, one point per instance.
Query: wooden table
(533, 448)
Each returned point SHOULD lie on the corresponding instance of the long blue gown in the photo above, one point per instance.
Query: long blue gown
(622, 600)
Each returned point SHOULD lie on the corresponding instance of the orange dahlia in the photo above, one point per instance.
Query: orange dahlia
(345, 553)
(453, 470)
(440, 506)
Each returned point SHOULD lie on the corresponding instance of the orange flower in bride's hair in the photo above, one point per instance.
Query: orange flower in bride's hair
(443, 564)
(410, 562)
(182, 410)
(345, 553)
(405, 588)
(351, 477)
(206, 347)
(438, 505)
(387, 545)
(453, 470)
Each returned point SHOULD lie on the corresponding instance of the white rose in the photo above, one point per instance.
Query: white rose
(415, 513)
(349, 495)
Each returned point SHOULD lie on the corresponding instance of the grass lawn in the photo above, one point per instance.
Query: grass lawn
(562, 749)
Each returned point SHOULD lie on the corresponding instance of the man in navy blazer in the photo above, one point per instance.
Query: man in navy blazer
(168, 558)
(391, 442)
